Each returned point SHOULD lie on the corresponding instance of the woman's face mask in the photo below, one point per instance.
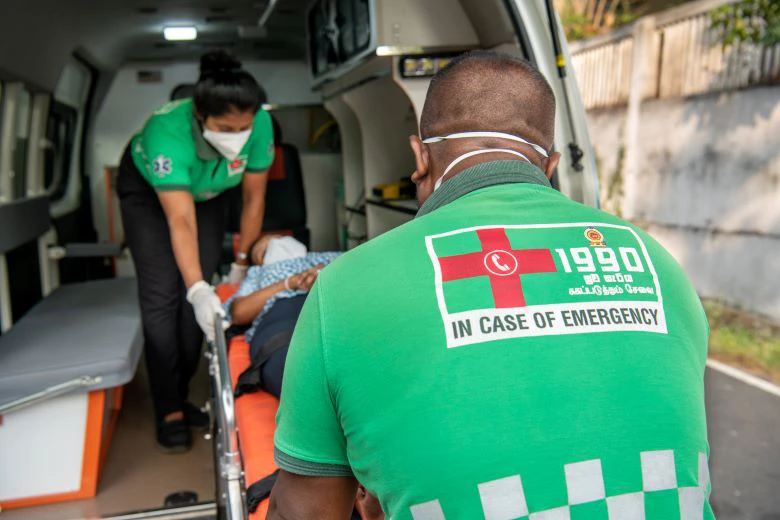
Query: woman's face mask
(228, 144)
(228, 133)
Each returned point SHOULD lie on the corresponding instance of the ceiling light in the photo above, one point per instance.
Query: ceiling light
(177, 34)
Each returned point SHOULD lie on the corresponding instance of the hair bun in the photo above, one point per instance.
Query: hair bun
(218, 61)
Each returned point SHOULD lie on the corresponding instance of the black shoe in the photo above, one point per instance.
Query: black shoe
(174, 437)
(196, 418)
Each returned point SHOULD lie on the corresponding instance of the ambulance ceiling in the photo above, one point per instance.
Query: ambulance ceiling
(227, 24)
(37, 36)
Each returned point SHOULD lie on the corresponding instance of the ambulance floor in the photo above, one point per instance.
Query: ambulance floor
(136, 475)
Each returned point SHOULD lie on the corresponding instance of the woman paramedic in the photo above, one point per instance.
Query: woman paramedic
(171, 186)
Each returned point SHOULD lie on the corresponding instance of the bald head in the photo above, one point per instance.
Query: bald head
(483, 91)
(491, 91)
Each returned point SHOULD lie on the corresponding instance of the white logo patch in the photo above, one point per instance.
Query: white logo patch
(162, 166)
(501, 282)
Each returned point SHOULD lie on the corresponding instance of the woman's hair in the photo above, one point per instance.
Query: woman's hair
(224, 86)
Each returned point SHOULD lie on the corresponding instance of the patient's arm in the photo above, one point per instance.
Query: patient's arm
(296, 497)
(246, 308)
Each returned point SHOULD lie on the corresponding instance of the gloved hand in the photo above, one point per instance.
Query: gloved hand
(206, 304)
(237, 273)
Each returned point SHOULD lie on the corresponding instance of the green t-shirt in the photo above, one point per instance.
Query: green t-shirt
(172, 155)
(508, 354)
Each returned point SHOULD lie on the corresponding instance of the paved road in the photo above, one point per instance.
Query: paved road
(744, 430)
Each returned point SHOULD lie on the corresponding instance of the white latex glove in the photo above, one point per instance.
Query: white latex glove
(206, 304)
(237, 273)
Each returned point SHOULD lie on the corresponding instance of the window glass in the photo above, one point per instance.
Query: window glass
(22, 136)
(1, 148)
(338, 31)
(362, 25)
(73, 85)
(65, 129)
(60, 133)
(346, 25)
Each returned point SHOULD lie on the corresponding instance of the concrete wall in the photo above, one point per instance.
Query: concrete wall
(707, 186)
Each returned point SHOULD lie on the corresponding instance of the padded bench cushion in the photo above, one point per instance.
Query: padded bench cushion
(84, 329)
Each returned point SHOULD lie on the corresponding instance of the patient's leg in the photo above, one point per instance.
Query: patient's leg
(273, 371)
(267, 353)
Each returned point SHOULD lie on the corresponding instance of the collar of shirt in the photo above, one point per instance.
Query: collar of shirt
(482, 176)
(205, 151)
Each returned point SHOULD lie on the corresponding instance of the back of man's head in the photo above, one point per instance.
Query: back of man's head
(491, 91)
(484, 91)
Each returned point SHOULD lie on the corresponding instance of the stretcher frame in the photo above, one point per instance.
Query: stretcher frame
(231, 488)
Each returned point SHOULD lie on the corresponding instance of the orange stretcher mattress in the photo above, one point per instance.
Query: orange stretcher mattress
(255, 417)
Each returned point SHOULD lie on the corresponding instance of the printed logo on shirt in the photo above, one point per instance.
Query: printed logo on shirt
(169, 107)
(237, 166)
(163, 166)
(495, 283)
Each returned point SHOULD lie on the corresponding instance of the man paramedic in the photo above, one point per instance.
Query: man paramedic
(509, 354)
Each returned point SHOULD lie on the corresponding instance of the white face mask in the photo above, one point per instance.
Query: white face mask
(283, 248)
(463, 135)
(228, 144)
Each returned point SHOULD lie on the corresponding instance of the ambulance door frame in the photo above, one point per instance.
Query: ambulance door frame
(578, 134)
(39, 118)
(10, 106)
(10, 102)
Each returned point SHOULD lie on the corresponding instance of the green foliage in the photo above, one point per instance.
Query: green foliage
(577, 26)
(753, 21)
(745, 340)
(585, 18)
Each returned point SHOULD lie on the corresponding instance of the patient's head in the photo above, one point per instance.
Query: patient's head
(258, 250)
(275, 248)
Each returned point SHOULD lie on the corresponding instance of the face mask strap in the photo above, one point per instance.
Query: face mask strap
(499, 135)
(472, 154)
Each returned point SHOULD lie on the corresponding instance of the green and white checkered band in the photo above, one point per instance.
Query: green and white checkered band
(505, 498)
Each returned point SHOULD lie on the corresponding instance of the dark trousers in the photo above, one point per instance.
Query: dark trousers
(278, 322)
(172, 337)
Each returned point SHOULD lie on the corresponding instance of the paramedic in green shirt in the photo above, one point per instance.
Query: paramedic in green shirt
(509, 354)
(171, 186)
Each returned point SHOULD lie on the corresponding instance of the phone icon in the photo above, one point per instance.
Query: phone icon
(496, 259)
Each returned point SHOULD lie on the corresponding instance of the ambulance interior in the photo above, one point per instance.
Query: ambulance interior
(346, 82)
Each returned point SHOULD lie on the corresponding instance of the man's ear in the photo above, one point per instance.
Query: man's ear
(552, 164)
(422, 159)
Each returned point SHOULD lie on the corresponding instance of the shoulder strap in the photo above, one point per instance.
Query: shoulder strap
(260, 490)
(252, 378)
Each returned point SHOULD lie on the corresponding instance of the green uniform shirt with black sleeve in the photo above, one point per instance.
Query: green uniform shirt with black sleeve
(509, 354)
(172, 155)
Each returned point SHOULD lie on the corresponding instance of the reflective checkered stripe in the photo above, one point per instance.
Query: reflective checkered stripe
(505, 498)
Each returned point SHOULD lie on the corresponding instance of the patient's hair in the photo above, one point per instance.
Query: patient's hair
(224, 86)
(490, 91)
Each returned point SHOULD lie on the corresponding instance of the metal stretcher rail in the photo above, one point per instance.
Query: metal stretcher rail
(231, 491)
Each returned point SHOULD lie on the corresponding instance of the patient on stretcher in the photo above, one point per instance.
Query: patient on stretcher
(268, 302)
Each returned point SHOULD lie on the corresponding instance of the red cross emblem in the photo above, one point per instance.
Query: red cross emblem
(502, 264)
(236, 164)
